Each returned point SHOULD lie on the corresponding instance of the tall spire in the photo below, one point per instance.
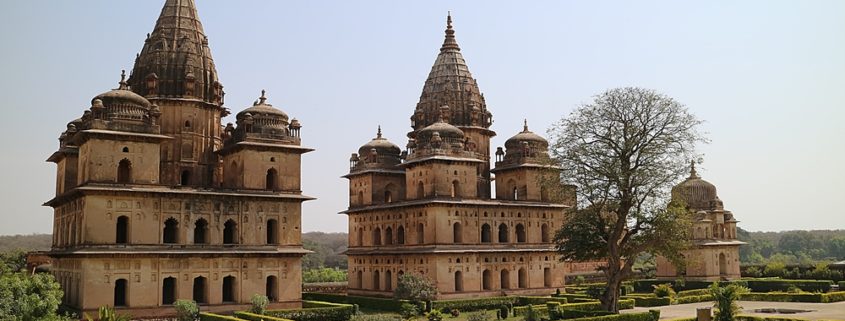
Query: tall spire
(176, 61)
(451, 83)
(692, 173)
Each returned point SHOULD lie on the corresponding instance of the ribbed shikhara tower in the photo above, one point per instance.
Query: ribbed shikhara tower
(157, 201)
(428, 210)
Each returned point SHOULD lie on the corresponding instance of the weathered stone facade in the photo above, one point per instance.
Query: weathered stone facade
(157, 201)
(714, 254)
(429, 209)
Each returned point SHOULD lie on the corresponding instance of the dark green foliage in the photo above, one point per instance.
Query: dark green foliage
(570, 297)
(28, 297)
(756, 318)
(480, 316)
(257, 317)
(647, 286)
(12, 261)
(531, 315)
(504, 312)
(664, 290)
(258, 303)
(769, 285)
(391, 305)
(320, 275)
(408, 310)
(534, 300)
(107, 313)
(641, 301)
(725, 298)
(434, 315)
(468, 305)
(206, 316)
(697, 292)
(640, 316)
(574, 314)
(693, 299)
(327, 248)
(414, 287)
(375, 317)
(186, 310)
(337, 312)
(835, 296)
(26, 243)
(655, 314)
(791, 247)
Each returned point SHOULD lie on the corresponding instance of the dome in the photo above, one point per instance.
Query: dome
(444, 129)
(381, 145)
(528, 136)
(121, 97)
(264, 114)
(696, 192)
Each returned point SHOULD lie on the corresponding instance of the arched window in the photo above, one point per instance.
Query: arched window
(388, 197)
(360, 236)
(376, 280)
(457, 233)
(723, 264)
(503, 233)
(124, 172)
(485, 233)
(360, 279)
(200, 290)
(377, 236)
(505, 279)
(513, 189)
(459, 281)
(272, 231)
(230, 232)
(122, 233)
(547, 277)
(420, 190)
(186, 177)
(168, 291)
(388, 280)
(121, 292)
(388, 236)
(272, 288)
(187, 124)
(400, 235)
(125, 149)
(420, 233)
(171, 231)
(201, 231)
(523, 279)
(229, 289)
(544, 231)
(272, 179)
(520, 233)
(456, 189)
(360, 198)
(486, 280)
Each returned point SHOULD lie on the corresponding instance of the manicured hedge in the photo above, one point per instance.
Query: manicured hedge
(531, 300)
(467, 305)
(329, 312)
(770, 285)
(643, 301)
(205, 316)
(647, 286)
(694, 299)
(783, 297)
(541, 310)
(574, 314)
(641, 316)
(365, 302)
(698, 292)
(756, 318)
(257, 317)
(841, 285)
(835, 296)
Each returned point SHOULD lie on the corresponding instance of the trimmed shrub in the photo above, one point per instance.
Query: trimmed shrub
(574, 314)
(434, 315)
(205, 316)
(259, 303)
(694, 299)
(257, 317)
(647, 286)
(504, 312)
(533, 300)
(570, 296)
(649, 302)
(770, 285)
(525, 310)
(480, 316)
(783, 297)
(841, 285)
(340, 312)
(664, 290)
(186, 310)
(376, 317)
(756, 318)
(640, 316)
(655, 314)
(408, 311)
(698, 292)
(467, 305)
(391, 305)
(834, 296)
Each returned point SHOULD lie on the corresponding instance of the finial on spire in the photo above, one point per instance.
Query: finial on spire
(692, 172)
(525, 125)
(122, 83)
(449, 42)
(262, 99)
(378, 135)
(449, 19)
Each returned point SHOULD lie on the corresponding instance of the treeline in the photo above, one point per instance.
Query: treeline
(31, 242)
(792, 247)
(328, 250)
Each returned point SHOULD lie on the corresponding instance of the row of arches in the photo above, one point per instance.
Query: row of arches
(199, 290)
(124, 176)
(503, 234)
(454, 190)
(170, 233)
(486, 282)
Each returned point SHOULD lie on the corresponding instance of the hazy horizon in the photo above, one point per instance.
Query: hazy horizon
(767, 77)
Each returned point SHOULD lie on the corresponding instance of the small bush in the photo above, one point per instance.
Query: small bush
(504, 312)
(774, 269)
(434, 315)
(725, 301)
(531, 315)
(753, 272)
(649, 302)
(259, 304)
(480, 316)
(455, 313)
(834, 296)
(467, 305)
(771, 285)
(694, 299)
(186, 310)
(698, 292)
(664, 290)
(375, 317)
(366, 302)
(337, 312)
(408, 311)
(257, 317)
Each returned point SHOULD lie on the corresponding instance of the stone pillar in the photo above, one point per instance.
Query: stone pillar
(703, 314)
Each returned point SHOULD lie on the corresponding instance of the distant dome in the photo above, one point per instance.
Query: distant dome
(696, 192)
(445, 130)
(528, 136)
(381, 145)
(122, 103)
(264, 115)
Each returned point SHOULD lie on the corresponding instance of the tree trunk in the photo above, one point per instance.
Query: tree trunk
(610, 298)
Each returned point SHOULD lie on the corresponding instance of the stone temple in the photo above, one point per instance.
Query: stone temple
(157, 201)
(714, 254)
(429, 210)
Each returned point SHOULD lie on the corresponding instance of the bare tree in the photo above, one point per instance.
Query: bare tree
(624, 151)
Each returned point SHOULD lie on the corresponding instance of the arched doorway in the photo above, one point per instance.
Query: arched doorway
(400, 235)
(376, 280)
(272, 231)
(201, 231)
(230, 232)
(420, 190)
(388, 236)
(377, 236)
(486, 280)
(124, 171)
(168, 291)
(459, 281)
(547, 277)
(523, 279)
(186, 177)
(272, 288)
(229, 289)
(272, 179)
(485, 233)
(121, 292)
(457, 233)
(388, 280)
(122, 230)
(544, 231)
(505, 279)
(503, 233)
(420, 233)
(723, 264)
(360, 279)
(361, 236)
(171, 231)
(520, 233)
(200, 290)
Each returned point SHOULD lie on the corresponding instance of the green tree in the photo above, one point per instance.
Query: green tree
(12, 261)
(414, 287)
(26, 297)
(624, 151)
(186, 310)
(725, 300)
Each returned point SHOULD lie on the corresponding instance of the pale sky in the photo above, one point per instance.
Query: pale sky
(768, 77)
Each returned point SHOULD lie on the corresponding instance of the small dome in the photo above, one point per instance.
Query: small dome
(445, 130)
(528, 136)
(381, 145)
(121, 96)
(264, 114)
(696, 192)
